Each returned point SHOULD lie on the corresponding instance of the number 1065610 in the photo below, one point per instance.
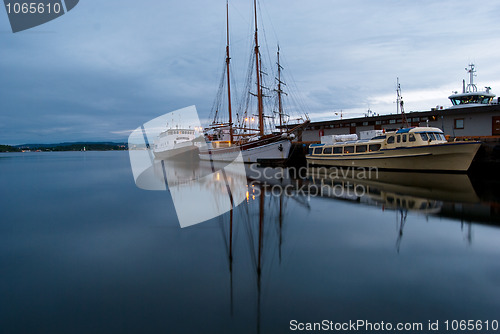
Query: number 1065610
(33, 8)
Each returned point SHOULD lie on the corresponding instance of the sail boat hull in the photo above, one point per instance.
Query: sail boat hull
(275, 149)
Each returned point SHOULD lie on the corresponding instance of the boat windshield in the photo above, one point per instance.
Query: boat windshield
(426, 136)
(471, 99)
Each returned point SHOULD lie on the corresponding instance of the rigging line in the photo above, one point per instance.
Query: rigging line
(218, 96)
(221, 55)
(266, 43)
(245, 98)
(234, 82)
(242, 17)
(299, 101)
(293, 87)
(269, 18)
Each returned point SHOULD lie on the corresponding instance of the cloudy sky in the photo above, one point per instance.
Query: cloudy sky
(106, 67)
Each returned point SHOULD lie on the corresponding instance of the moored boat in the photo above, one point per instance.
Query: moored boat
(175, 143)
(417, 148)
(273, 147)
(249, 135)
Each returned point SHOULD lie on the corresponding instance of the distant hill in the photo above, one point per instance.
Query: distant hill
(7, 148)
(77, 146)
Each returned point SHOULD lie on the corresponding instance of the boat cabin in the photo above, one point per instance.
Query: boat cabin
(171, 137)
(471, 99)
(171, 132)
(470, 96)
(402, 138)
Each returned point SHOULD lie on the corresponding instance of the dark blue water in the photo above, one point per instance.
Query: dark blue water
(83, 250)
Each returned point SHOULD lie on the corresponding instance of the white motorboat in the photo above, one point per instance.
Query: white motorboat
(417, 148)
(175, 143)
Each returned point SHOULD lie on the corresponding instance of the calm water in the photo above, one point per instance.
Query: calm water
(83, 250)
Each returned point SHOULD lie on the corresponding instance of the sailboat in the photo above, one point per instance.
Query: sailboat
(226, 140)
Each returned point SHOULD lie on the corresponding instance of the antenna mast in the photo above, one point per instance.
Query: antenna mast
(471, 87)
(400, 105)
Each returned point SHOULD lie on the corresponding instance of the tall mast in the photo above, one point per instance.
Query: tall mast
(279, 91)
(228, 77)
(257, 68)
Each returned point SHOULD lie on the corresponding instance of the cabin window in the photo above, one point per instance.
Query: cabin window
(404, 138)
(459, 123)
(361, 149)
(439, 136)
(392, 121)
(390, 140)
(378, 122)
(424, 136)
(348, 149)
(431, 136)
(327, 150)
(337, 150)
(411, 137)
(365, 123)
(310, 150)
(398, 138)
(318, 150)
(374, 147)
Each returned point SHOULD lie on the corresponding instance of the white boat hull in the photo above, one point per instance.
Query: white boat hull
(455, 156)
(184, 149)
(278, 151)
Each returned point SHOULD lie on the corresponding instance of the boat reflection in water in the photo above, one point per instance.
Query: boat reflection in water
(225, 186)
(431, 194)
(419, 192)
(252, 231)
(261, 237)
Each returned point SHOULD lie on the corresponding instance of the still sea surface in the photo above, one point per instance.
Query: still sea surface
(83, 250)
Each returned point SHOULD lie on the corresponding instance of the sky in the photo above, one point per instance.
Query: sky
(106, 67)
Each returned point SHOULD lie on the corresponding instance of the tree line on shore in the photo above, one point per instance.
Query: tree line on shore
(65, 147)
